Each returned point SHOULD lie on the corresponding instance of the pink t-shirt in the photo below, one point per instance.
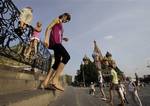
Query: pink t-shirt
(56, 35)
(36, 35)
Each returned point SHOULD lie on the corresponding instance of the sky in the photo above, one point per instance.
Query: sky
(121, 27)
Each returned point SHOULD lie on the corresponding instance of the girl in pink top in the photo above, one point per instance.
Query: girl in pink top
(53, 40)
(34, 39)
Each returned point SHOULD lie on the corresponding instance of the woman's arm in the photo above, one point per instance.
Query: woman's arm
(48, 30)
(55, 21)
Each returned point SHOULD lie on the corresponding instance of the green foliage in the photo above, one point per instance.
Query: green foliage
(90, 73)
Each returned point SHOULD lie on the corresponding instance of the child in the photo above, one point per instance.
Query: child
(92, 88)
(34, 39)
(100, 79)
(25, 19)
(133, 92)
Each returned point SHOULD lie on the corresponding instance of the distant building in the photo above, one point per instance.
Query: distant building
(146, 76)
(146, 79)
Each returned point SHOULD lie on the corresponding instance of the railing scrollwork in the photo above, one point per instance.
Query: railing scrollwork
(13, 45)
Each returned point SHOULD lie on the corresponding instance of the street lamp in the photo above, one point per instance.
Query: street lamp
(82, 65)
(86, 61)
(148, 63)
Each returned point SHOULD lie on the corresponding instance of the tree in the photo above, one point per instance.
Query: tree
(89, 71)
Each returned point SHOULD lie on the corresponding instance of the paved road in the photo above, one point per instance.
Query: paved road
(77, 97)
(80, 97)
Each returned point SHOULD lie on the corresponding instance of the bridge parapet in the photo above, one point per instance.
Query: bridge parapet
(12, 45)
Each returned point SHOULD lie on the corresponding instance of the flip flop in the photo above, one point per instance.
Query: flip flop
(50, 87)
(57, 87)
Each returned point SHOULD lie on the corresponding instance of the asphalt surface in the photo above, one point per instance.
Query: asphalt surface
(77, 97)
(80, 97)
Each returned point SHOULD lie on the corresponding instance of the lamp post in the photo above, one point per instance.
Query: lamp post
(83, 76)
(86, 62)
(148, 64)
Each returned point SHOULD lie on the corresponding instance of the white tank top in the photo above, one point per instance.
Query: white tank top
(131, 87)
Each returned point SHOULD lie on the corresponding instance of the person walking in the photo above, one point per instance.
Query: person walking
(133, 92)
(97, 56)
(34, 40)
(114, 85)
(53, 41)
(100, 79)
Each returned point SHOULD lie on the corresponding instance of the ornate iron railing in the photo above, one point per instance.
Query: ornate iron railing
(12, 45)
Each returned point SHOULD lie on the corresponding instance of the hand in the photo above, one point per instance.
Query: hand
(46, 44)
(65, 39)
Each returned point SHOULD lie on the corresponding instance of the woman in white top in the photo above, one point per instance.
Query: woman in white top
(97, 56)
(133, 92)
(100, 79)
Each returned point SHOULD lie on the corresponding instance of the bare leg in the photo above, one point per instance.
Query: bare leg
(111, 97)
(35, 46)
(133, 97)
(49, 75)
(29, 49)
(137, 96)
(121, 98)
(55, 80)
(102, 92)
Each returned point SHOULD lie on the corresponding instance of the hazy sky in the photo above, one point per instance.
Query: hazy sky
(119, 26)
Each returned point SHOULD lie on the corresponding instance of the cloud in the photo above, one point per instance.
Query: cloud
(108, 37)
